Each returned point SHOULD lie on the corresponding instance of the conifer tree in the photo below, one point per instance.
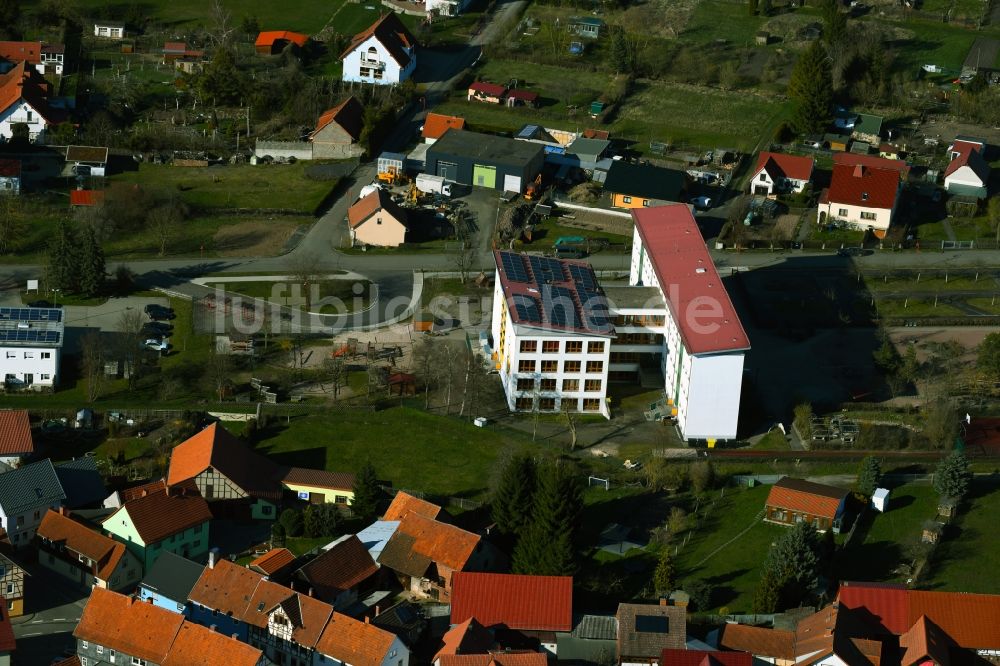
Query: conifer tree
(514, 495)
(811, 90)
(92, 266)
(548, 546)
(953, 476)
(63, 259)
(367, 493)
(869, 475)
(663, 576)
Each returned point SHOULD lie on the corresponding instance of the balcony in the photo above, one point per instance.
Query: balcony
(372, 64)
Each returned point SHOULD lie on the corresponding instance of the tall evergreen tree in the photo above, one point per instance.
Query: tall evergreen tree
(63, 259)
(514, 495)
(834, 21)
(953, 476)
(548, 546)
(92, 266)
(869, 475)
(618, 53)
(767, 592)
(663, 576)
(811, 90)
(367, 493)
(795, 560)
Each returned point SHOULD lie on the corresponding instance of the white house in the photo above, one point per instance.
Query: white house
(385, 53)
(778, 173)
(559, 337)
(30, 342)
(701, 355)
(968, 173)
(23, 96)
(552, 334)
(446, 7)
(39, 55)
(26, 495)
(53, 58)
(109, 29)
(861, 197)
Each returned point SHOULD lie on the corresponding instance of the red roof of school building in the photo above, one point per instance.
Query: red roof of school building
(971, 620)
(781, 165)
(15, 432)
(436, 124)
(854, 159)
(534, 603)
(269, 37)
(671, 657)
(862, 186)
(489, 89)
(814, 499)
(691, 285)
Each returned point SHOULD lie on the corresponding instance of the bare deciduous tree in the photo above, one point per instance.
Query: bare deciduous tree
(336, 374)
(217, 372)
(92, 361)
(569, 414)
(465, 258)
(222, 24)
(306, 271)
(129, 343)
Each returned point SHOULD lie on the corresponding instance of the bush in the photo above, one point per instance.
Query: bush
(700, 594)
(291, 521)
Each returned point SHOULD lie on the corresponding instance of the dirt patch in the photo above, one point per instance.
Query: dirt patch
(659, 17)
(784, 226)
(248, 239)
(595, 221)
(969, 337)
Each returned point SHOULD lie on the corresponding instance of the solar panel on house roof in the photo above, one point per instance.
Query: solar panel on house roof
(527, 131)
(527, 309)
(583, 276)
(546, 269)
(29, 335)
(513, 266)
(31, 314)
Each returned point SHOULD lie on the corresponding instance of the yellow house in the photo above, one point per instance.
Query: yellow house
(376, 220)
(319, 487)
(643, 185)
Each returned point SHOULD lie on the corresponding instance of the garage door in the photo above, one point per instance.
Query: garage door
(484, 176)
(511, 183)
(448, 170)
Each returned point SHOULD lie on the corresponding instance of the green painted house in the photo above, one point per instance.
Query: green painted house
(163, 519)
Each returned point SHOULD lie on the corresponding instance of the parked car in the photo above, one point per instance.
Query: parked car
(159, 313)
(157, 344)
(701, 203)
(157, 328)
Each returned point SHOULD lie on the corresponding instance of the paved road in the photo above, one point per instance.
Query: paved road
(52, 610)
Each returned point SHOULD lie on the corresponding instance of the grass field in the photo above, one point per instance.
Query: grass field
(916, 307)
(734, 570)
(306, 16)
(971, 546)
(929, 281)
(715, 19)
(275, 186)
(929, 42)
(438, 456)
(887, 536)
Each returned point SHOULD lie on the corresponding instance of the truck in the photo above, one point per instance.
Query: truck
(433, 184)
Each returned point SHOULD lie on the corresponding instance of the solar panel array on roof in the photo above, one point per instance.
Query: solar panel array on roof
(527, 309)
(29, 335)
(583, 276)
(31, 314)
(546, 269)
(513, 266)
(527, 132)
(559, 306)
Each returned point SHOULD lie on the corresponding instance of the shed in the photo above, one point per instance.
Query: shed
(932, 531)
(485, 160)
(521, 98)
(837, 142)
(880, 499)
(587, 26)
(762, 37)
(274, 41)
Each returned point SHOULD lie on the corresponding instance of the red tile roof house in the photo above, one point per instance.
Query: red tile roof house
(860, 197)
(270, 42)
(425, 554)
(493, 659)
(237, 482)
(24, 95)
(118, 629)
(968, 174)
(338, 130)
(796, 501)
(273, 563)
(16, 443)
(535, 606)
(338, 575)
(646, 630)
(86, 557)
(436, 124)
(671, 657)
(777, 173)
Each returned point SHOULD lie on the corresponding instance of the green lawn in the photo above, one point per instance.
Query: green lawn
(772, 441)
(931, 42)
(887, 536)
(929, 281)
(353, 18)
(307, 16)
(409, 448)
(558, 87)
(963, 228)
(715, 19)
(276, 186)
(548, 232)
(916, 307)
(835, 237)
(971, 547)
(734, 570)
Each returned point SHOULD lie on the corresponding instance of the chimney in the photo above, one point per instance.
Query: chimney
(212, 627)
(211, 559)
(143, 492)
(310, 592)
(236, 637)
(63, 511)
(859, 171)
(378, 610)
(663, 601)
(167, 489)
(368, 620)
(149, 601)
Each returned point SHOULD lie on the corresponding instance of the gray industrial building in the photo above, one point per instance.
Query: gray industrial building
(470, 158)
